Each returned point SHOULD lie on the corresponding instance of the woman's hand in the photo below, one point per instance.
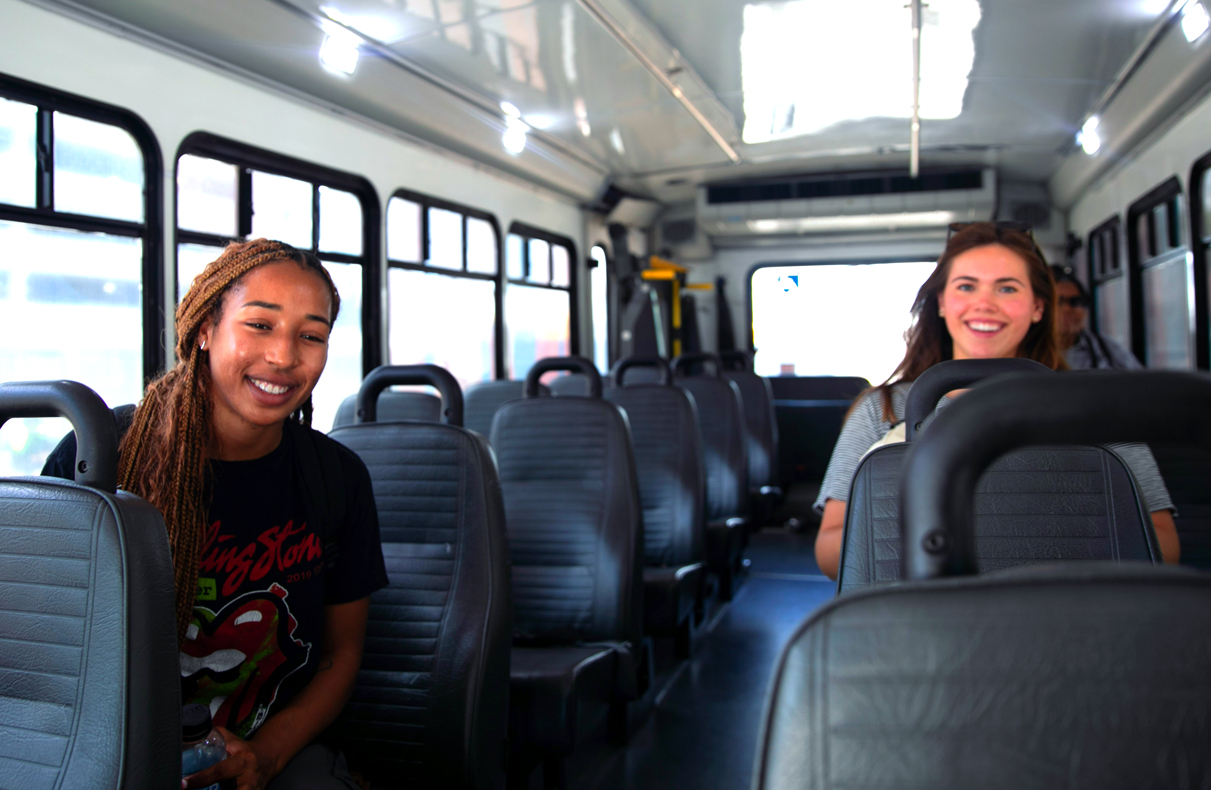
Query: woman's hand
(245, 763)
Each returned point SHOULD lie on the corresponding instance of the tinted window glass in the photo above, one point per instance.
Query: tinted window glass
(442, 320)
(538, 326)
(403, 231)
(18, 125)
(540, 261)
(445, 239)
(281, 209)
(98, 169)
(343, 373)
(481, 246)
(206, 195)
(340, 222)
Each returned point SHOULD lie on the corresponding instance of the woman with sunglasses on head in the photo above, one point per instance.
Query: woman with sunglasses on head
(273, 526)
(990, 297)
(1083, 348)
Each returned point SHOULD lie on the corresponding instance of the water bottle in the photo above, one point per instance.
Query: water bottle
(201, 744)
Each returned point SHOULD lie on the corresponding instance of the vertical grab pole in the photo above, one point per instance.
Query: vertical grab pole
(914, 165)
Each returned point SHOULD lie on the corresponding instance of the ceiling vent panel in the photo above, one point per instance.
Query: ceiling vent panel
(847, 203)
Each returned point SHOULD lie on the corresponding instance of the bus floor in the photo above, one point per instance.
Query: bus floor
(700, 728)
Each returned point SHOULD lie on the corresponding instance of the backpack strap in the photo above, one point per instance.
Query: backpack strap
(323, 486)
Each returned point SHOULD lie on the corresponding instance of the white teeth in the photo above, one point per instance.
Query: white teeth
(979, 327)
(265, 386)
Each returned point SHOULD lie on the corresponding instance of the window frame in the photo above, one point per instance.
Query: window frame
(248, 158)
(150, 230)
(607, 265)
(1168, 191)
(428, 201)
(1098, 273)
(1200, 239)
(572, 289)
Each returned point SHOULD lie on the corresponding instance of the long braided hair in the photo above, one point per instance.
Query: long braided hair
(162, 457)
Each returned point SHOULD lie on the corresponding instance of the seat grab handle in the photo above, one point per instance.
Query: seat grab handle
(385, 376)
(572, 364)
(96, 432)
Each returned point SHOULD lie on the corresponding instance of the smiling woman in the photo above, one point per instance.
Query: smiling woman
(272, 576)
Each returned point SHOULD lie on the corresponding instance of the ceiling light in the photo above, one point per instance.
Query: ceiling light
(906, 219)
(510, 109)
(809, 64)
(1195, 20)
(339, 52)
(514, 138)
(616, 142)
(582, 117)
(1088, 138)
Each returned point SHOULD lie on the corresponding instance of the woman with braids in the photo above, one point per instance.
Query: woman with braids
(273, 526)
(991, 296)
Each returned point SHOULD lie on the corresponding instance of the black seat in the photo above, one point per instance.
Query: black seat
(430, 706)
(574, 384)
(668, 456)
(90, 688)
(393, 407)
(761, 431)
(1073, 675)
(1093, 510)
(1187, 473)
(483, 399)
(725, 450)
(572, 506)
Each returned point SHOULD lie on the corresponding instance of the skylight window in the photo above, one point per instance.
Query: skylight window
(809, 64)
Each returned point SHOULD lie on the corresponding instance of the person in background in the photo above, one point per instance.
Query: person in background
(991, 296)
(1083, 348)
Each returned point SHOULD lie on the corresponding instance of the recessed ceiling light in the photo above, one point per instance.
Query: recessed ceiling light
(1195, 20)
(809, 64)
(514, 138)
(1088, 138)
(510, 109)
(339, 52)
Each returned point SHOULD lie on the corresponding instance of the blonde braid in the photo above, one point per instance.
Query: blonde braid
(163, 455)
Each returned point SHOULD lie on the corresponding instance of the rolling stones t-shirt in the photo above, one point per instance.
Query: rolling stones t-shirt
(258, 620)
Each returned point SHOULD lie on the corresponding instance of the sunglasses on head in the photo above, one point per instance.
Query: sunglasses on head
(1004, 224)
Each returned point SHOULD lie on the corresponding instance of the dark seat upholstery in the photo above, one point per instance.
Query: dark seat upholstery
(668, 456)
(483, 399)
(1074, 675)
(725, 451)
(575, 384)
(761, 432)
(393, 407)
(430, 707)
(90, 690)
(1033, 505)
(572, 506)
(1187, 473)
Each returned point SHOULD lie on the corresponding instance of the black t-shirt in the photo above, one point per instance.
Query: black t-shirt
(258, 624)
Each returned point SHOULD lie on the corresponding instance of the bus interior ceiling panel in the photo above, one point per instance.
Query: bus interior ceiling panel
(513, 165)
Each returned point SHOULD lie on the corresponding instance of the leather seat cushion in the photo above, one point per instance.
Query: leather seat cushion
(549, 685)
(1089, 675)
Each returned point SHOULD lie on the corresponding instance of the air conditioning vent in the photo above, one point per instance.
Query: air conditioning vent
(850, 185)
(678, 231)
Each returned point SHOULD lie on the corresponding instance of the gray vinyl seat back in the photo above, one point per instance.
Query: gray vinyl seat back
(721, 425)
(668, 458)
(483, 399)
(760, 423)
(572, 507)
(393, 407)
(575, 385)
(1032, 505)
(430, 705)
(1071, 675)
(90, 690)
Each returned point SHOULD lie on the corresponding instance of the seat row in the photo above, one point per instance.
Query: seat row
(552, 567)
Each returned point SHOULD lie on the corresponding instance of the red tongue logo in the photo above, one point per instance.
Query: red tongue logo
(242, 654)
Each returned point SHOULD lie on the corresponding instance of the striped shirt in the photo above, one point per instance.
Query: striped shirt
(866, 426)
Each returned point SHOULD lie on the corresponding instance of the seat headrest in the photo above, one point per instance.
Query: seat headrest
(681, 364)
(741, 361)
(390, 375)
(96, 432)
(661, 365)
(571, 364)
(954, 374)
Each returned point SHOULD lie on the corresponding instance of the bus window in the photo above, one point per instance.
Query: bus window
(834, 319)
(76, 246)
(1110, 311)
(599, 285)
(444, 261)
(227, 193)
(538, 297)
(1161, 274)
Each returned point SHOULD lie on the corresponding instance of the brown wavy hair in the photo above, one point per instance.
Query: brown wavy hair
(929, 341)
(162, 457)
